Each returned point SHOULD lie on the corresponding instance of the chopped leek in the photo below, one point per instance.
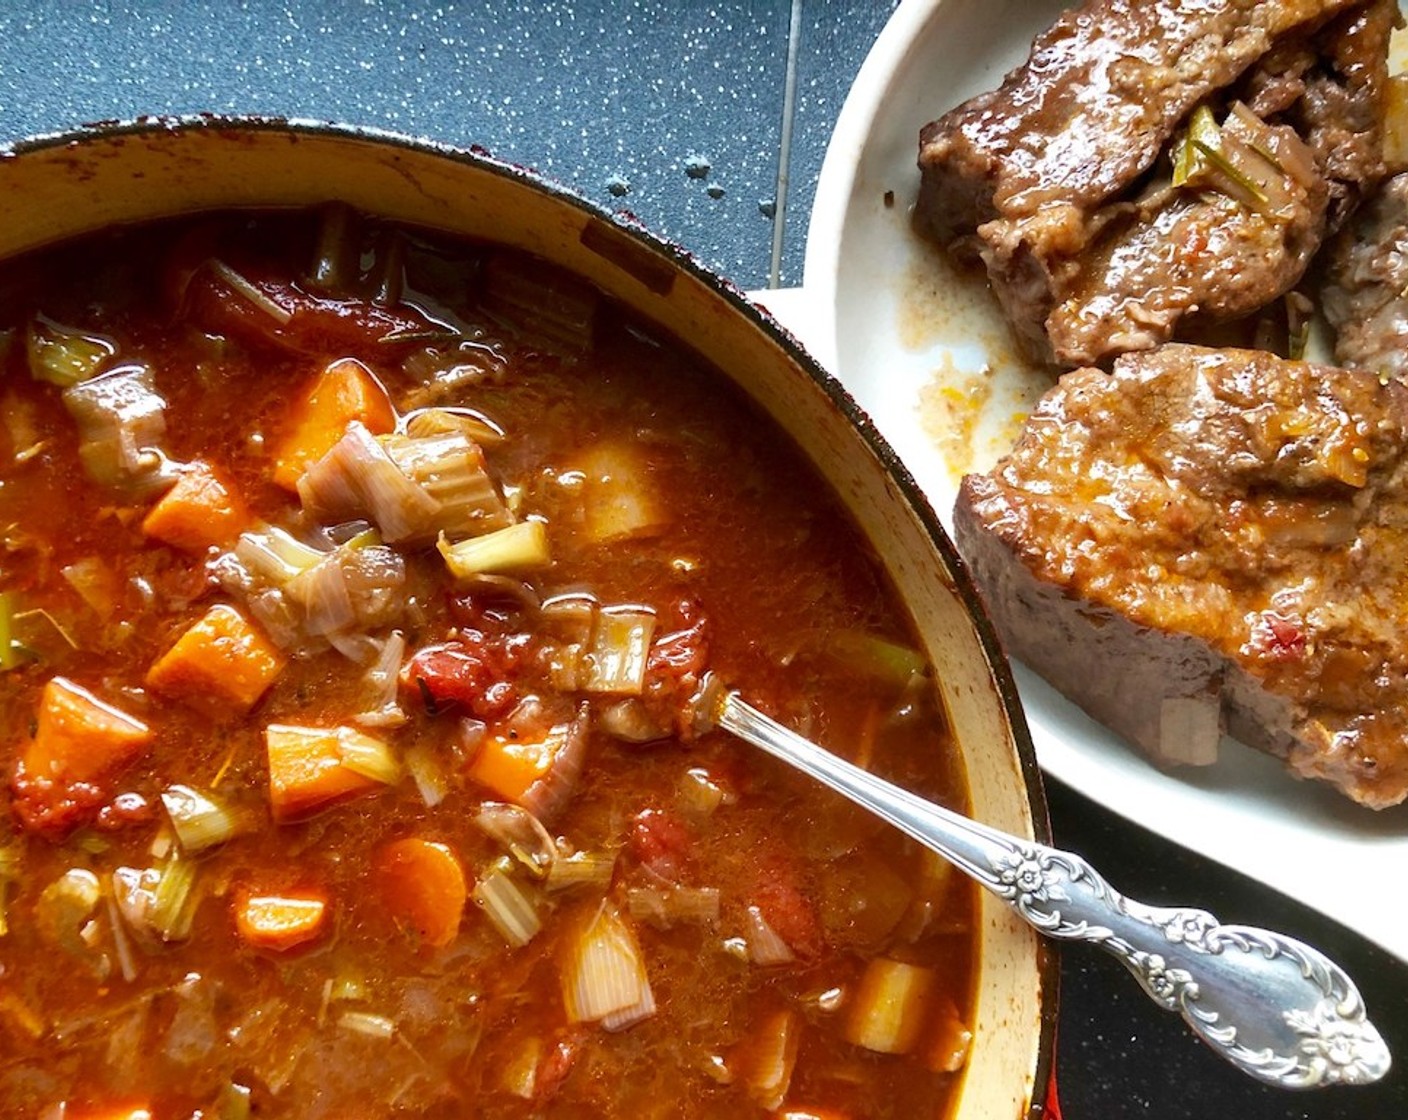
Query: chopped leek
(21, 425)
(516, 547)
(17, 1014)
(1202, 134)
(200, 820)
(700, 795)
(275, 555)
(175, 899)
(235, 1102)
(620, 648)
(64, 356)
(603, 977)
(1245, 159)
(548, 305)
(367, 756)
(519, 1075)
(509, 907)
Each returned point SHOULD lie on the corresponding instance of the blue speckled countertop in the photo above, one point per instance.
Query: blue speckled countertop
(673, 110)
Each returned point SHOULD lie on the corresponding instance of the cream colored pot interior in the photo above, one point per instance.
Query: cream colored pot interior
(54, 190)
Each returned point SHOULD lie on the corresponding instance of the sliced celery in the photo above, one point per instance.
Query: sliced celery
(620, 648)
(508, 906)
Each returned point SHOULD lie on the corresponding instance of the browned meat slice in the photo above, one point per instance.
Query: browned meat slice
(1179, 253)
(1330, 85)
(1211, 539)
(1047, 179)
(1365, 298)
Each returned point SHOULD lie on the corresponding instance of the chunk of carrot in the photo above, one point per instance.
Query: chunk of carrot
(510, 767)
(201, 510)
(422, 883)
(222, 662)
(345, 391)
(280, 922)
(79, 738)
(308, 770)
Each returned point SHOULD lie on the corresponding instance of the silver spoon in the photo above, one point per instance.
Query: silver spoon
(1274, 1007)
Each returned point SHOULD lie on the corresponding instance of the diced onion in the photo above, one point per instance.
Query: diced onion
(358, 477)
(509, 907)
(521, 834)
(432, 783)
(383, 685)
(765, 946)
(441, 421)
(770, 1058)
(121, 424)
(603, 977)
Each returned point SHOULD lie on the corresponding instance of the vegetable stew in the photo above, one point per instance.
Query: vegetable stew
(362, 598)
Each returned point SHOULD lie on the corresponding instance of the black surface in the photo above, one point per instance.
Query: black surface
(634, 95)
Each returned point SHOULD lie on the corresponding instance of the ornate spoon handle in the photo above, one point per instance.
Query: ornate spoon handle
(1277, 1009)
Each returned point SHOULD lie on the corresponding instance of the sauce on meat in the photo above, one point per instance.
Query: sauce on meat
(360, 590)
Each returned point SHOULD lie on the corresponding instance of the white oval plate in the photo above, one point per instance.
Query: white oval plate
(926, 355)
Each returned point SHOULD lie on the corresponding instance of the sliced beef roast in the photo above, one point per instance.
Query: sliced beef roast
(1106, 214)
(1205, 540)
(1365, 297)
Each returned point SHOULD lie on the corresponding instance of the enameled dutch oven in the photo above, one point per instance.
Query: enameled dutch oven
(53, 188)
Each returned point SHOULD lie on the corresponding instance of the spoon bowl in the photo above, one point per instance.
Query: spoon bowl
(1276, 1008)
